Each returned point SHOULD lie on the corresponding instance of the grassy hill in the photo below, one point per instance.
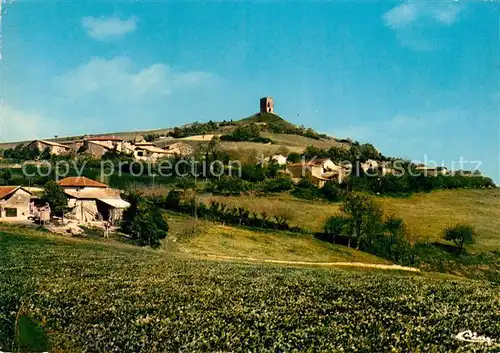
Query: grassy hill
(201, 238)
(425, 214)
(267, 118)
(66, 294)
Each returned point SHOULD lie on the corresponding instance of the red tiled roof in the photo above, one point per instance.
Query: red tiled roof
(81, 182)
(7, 190)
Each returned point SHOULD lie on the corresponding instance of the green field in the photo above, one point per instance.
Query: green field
(95, 295)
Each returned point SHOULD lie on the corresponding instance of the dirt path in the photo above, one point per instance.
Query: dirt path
(327, 264)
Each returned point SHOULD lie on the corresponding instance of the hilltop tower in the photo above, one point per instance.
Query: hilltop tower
(266, 105)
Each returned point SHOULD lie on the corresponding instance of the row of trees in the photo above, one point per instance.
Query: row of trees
(26, 153)
(220, 212)
(249, 133)
(407, 183)
(194, 129)
(286, 128)
(355, 153)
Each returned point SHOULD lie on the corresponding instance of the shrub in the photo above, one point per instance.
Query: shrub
(281, 183)
(460, 234)
(173, 200)
(293, 157)
(253, 173)
(227, 185)
(305, 189)
(331, 191)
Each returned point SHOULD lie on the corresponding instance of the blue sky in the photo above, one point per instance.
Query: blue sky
(415, 79)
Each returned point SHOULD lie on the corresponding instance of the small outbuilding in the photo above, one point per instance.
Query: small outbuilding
(14, 203)
(91, 200)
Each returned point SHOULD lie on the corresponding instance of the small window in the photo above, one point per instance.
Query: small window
(11, 212)
(140, 153)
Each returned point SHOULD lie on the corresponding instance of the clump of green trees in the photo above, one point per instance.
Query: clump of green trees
(250, 133)
(194, 129)
(25, 153)
(363, 226)
(144, 222)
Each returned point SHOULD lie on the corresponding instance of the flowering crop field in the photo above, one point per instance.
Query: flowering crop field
(106, 297)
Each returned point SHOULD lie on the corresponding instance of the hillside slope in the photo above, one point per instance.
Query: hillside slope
(425, 214)
(198, 237)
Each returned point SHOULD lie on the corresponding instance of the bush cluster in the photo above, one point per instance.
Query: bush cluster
(249, 133)
(193, 129)
(220, 212)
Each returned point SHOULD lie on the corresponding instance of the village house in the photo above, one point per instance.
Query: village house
(53, 147)
(97, 146)
(319, 171)
(183, 148)
(149, 152)
(432, 171)
(370, 164)
(279, 159)
(91, 200)
(14, 203)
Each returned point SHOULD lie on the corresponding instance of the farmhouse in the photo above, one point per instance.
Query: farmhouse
(183, 148)
(90, 200)
(370, 164)
(319, 171)
(432, 171)
(148, 151)
(98, 145)
(53, 147)
(14, 203)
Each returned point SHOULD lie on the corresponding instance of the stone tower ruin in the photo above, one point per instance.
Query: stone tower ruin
(266, 105)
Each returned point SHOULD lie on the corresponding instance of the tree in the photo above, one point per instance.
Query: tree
(336, 226)
(293, 157)
(144, 222)
(45, 155)
(173, 200)
(460, 234)
(54, 195)
(5, 177)
(365, 219)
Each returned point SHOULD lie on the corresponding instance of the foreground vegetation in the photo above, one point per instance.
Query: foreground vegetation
(96, 296)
